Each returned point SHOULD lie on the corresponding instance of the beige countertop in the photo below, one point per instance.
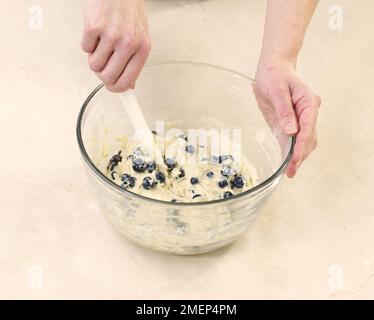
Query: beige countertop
(314, 240)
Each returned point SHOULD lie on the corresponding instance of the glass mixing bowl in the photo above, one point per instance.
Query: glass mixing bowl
(196, 95)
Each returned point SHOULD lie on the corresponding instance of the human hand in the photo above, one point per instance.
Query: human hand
(288, 105)
(116, 39)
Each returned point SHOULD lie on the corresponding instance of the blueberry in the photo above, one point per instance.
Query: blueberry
(151, 166)
(113, 175)
(226, 171)
(139, 165)
(113, 162)
(190, 149)
(226, 157)
(215, 160)
(132, 182)
(196, 196)
(160, 177)
(238, 182)
(148, 183)
(223, 183)
(181, 173)
(128, 181)
(194, 180)
(210, 174)
(125, 177)
(182, 136)
(138, 152)
(117, 157)
(170, 163)
(227, 194)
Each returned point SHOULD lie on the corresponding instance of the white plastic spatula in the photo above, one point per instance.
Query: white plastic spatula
(141, 127)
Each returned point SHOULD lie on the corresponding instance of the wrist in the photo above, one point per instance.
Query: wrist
(275, 60)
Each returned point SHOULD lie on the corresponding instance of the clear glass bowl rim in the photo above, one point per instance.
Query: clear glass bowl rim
(109, 182)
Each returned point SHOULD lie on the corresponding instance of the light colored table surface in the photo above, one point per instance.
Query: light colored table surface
(315, 239)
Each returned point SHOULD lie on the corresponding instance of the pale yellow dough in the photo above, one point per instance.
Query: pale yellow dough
(176, 188)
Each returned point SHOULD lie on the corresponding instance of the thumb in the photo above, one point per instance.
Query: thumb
(282, 103)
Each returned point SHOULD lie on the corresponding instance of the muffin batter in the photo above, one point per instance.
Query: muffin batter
(190, 177)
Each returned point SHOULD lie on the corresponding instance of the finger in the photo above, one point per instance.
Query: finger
(291, 170)
(90, 39)
(266, 109)
(132, 70)
(281, 100)
(307, 112)
(115, 66)
(271, 118)
(99, 58)
(301, 150)
(306, 140)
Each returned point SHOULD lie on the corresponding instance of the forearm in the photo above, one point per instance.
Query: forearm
(285, 27)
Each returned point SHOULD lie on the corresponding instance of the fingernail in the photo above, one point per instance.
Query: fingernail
(291, 128)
